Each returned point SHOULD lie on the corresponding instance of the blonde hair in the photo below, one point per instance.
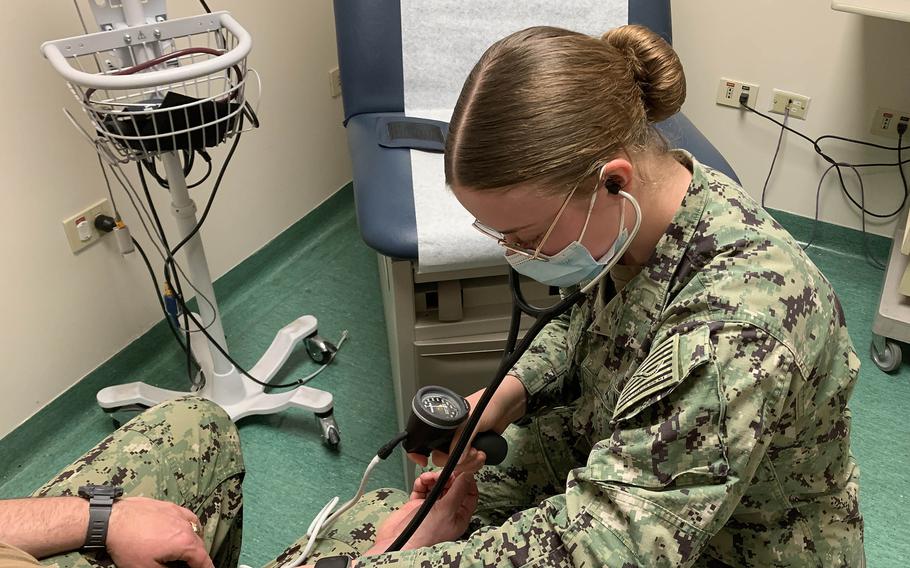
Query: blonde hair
(547, 106)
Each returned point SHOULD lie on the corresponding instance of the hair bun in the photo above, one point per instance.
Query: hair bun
(656, 68)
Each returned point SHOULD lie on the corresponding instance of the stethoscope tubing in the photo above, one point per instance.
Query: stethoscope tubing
(511, 354)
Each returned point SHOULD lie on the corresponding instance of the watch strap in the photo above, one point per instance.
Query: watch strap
(100, 502)
(99, 513)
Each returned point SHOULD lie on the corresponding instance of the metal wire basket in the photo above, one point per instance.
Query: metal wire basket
(162, 87)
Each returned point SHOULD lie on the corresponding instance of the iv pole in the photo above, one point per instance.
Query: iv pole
(134, 33)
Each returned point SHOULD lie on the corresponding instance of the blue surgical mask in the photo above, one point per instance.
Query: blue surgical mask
(573, 264)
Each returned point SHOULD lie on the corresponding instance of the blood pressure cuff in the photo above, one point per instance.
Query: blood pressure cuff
(194, 124)
(412, 133)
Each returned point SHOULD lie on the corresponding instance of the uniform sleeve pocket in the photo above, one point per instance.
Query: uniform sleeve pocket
(664, 369)
(666, 426)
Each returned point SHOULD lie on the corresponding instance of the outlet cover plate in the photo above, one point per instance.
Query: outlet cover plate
(728, 91)
(799, 104)
(102, 207)
(885, 121)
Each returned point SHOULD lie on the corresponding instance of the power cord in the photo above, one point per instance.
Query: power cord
(837, 165)
(106, 224)
(901, 131)
(189, 161)
(169, 261)
(143, 213)
(329, 514)
(862, 193)
(179, 297)
(175, 285)
(764, 188)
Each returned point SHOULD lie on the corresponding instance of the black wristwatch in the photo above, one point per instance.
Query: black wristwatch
(333, 562)
(100, 501)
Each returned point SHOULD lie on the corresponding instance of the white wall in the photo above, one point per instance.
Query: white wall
(54, 302)
(849, 64)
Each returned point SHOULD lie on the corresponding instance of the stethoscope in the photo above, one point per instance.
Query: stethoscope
(437, 412)
(512, 352)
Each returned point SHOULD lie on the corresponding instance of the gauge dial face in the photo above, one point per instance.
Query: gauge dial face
(441, 406)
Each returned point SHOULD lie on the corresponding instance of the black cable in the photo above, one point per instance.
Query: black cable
(818, 192)
(151, 271)
(869, 256)
(837, 166)
(230, 359)
(205, 7)
(861, 142)
(176, 285)
(143, 214)
(386, 450)
(189, 161)
(509, 359)
(881, 164)
(862, 194)
(861, 207)
(211, 199)
(169, 261)
(781, 124)
(776, 152)
(153, 171)
(815, 143)
(900, 164)
(208, 172)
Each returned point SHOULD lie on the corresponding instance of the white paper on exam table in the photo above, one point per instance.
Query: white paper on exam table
(441, 42)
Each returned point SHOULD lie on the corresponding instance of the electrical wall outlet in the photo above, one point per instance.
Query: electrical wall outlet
(80, 228)
(728, 91)
(799, 104)
(885, 121)
(335, 82)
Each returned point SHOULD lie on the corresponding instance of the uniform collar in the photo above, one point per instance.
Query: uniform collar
(661, 268)
(645, 296)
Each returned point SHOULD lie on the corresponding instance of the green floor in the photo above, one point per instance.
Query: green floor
(321, 267)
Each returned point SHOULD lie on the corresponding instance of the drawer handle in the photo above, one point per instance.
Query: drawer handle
(477, 352)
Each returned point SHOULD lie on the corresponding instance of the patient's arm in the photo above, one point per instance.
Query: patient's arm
(446, 521)
(44, 526)
(141, 530)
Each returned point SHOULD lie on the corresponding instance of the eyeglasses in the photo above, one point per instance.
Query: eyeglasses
(531, 254)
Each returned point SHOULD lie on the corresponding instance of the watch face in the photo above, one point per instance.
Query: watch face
(333, 562)
(88, 491)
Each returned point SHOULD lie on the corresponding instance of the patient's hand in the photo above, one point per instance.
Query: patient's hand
(446, 521)
(147, 532)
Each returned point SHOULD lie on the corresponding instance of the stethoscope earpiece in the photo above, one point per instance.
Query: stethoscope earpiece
(613, 185)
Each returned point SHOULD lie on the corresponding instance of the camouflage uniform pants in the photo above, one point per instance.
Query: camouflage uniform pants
(540, 457)
(186, 451)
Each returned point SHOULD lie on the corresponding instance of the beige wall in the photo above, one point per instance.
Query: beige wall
(54, 300)
(848, 64)
(54, 303)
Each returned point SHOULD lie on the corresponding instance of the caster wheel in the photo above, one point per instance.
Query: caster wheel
(888, 360)
(331, 435)
(333, 439)
(320, 350)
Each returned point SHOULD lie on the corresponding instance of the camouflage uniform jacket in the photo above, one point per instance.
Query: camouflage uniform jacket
(711, 395)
